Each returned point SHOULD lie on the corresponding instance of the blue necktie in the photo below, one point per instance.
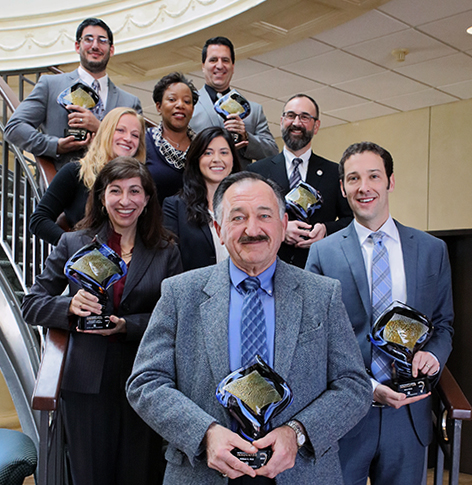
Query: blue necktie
(295, 177)
(381, 365)
(253, 325)
(99, 109)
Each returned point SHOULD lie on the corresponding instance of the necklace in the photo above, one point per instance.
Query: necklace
(177, 145)
(127, 254)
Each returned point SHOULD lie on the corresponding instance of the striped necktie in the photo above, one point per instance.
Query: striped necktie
(99, 109)
(381, 364)
(253, 323)
(295, 177)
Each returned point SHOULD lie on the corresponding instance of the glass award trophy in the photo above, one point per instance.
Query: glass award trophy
(95, 268)
(79, 94)
(400, 332)
(233, 103)
(302, 201)
(253, 396)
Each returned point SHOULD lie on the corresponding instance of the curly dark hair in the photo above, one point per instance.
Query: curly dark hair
(150, 228)
(194, 191)
(173, 78)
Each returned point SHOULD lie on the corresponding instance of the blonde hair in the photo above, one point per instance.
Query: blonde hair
(100, 151)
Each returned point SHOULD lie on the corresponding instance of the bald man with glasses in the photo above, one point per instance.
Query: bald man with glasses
(94, 44)
(299, 123)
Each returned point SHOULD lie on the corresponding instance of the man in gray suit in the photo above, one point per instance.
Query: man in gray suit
(218, 67)
(389, 444)
(94, 44)
(195, 339)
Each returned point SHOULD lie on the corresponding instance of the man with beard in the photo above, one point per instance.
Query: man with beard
(299, 123)
(94, 44)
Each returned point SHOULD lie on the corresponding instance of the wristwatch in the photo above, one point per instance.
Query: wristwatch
(301, 436)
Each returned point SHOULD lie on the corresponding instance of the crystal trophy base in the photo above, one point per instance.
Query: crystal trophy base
(254, 460)
(96, 322)
(79, 134)
(413, 387)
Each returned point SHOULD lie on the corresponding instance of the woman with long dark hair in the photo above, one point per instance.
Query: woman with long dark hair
(107, 442)
(189, 215)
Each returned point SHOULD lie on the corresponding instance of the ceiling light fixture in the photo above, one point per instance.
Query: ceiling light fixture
(400, 54)
(469, 30)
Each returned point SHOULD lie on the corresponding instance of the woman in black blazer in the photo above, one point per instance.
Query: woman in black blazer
(189, 215)
(108, 443)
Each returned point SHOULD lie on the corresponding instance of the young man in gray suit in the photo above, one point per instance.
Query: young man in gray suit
(195, 339)
(218, 67)
(94, 44)
(389, 444)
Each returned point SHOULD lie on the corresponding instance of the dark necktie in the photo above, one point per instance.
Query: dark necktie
(295, 177)
(99, 109)
(381, 365)
(253, 325)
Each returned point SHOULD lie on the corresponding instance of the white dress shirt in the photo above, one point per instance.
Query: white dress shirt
(303, 167)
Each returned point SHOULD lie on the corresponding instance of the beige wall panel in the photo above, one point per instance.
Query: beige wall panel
(450, 194)
(405, 136)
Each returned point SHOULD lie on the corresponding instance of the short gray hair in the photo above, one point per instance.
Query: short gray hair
(240, 177)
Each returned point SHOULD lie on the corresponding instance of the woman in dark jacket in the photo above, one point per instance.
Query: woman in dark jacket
(107, 442)
(211, 157)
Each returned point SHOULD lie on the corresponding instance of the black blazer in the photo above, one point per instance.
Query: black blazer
(323, 175)
(46, 306)
(195, 242)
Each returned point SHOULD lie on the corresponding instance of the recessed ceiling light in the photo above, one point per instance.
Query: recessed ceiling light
(469, 30)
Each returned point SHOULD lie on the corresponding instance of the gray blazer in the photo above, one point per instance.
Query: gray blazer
(261, 141)
(41, 110)
(429, 290)
(46, 305)
(184, 355)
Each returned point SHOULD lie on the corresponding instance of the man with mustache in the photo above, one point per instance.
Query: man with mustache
(202, 329)
(94, 44)
(299, 123)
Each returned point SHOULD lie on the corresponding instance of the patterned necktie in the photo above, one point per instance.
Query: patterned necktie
(99, 109)
(295, 177)
(381, 365)
(253, 325)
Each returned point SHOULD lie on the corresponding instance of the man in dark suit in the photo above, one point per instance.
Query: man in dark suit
(196, 337)
(389, 444)
(218, 67)
(94, 44)
(299, 123)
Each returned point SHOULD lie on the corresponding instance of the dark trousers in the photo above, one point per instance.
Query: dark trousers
(386, 450)
(246, 480)
(108, 442)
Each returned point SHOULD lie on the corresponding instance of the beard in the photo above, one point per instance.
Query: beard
(94, 66)
(295, 142)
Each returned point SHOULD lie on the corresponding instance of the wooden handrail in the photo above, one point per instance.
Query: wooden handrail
(48, 382)
(457, 405)
(46, 168)
(9, 97)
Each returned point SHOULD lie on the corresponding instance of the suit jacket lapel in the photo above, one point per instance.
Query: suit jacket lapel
(410, 259)
(353, 253)
(214, 314)
(279, 172)
(208, 236)
(288, 316)
(140, 262)
(112, 98)
(207, 106)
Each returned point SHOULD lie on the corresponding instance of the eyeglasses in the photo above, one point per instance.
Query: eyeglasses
(304, 117)
(89, 39)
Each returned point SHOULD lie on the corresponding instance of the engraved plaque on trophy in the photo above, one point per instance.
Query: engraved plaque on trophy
(233, 103)
(79, 94)
(253, 396)
(96, 267)
(400, 332)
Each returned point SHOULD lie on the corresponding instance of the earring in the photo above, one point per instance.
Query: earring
(104, 210)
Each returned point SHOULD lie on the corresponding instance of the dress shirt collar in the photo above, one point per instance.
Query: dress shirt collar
(303, 167)
(266, 277)
(214, 94)
(88, 78)
(389, 228)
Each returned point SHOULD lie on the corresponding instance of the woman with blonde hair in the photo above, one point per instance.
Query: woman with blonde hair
(121, 133)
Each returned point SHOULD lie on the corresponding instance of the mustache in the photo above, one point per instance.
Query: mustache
(249, 239)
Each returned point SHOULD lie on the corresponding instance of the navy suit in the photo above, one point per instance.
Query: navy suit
(428, 283)
(195, 242)
(323, 175)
